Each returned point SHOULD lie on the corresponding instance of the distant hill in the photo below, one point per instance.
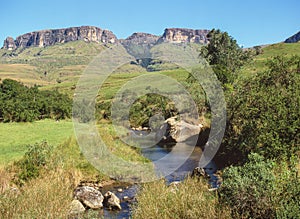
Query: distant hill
(293, 39)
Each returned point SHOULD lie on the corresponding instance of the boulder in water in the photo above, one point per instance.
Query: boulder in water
(112, 201)
(89, 196)
(178, 131)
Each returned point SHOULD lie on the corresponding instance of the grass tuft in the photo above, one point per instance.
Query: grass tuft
(190, 199)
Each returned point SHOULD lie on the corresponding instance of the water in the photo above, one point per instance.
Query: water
(182, 157)
(128, 192)
(177, 161)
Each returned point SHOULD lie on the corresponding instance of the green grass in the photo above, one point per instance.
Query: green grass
(259, 62)
(15, 136)
(115, 81)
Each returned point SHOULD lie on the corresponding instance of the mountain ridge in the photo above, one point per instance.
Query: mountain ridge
(49, 37)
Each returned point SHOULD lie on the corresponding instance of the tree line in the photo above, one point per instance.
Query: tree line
(20, 103)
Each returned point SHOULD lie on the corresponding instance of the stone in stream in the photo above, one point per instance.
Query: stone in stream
(111, 201)
(76, 208)
(199, 172)
(178, 131)
(95, 184)
(89, 196)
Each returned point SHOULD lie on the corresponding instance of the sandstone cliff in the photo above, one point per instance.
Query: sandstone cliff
(141, 38)
(293, 39)
(50, 37)
(139, 44)
(143, 41)
(180, 35)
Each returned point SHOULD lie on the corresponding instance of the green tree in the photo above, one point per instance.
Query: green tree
(263, 113)
(20, 103)
(224, 55)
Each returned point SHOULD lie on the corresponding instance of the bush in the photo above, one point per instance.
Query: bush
(36, 157)
(19, 103)
(261, 189)
(287, 191)
(263, 113)
(248, 189)
(149, 105)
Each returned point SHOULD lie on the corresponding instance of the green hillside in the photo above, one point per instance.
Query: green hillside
(50, 65)
(258, 63)
(59, 66)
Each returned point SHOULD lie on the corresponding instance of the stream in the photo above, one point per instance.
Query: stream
(155, 153)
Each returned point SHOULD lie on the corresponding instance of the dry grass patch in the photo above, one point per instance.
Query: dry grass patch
(190, 199)
(48, 196)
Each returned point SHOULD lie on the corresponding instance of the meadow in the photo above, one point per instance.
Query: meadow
(15, 137)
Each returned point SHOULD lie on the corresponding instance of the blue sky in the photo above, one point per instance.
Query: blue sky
(251, 23)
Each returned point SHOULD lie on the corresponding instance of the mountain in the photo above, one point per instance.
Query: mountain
(63, 54)
(51, 37)
(293, 39)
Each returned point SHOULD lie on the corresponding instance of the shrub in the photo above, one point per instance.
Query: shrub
(248, 189)
(263, 113)
(287, 193)
(19, 103)
(262, 189)
(36, 157)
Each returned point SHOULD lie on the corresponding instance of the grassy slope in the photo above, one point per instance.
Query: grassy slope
(14, 138)
(258, 64)
(63, 62)
(115, 81)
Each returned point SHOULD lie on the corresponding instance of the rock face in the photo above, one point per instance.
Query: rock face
(50, 37)
(139, 44)
(89, 196)
(181, 35)
(141, 38)
(9, 43)
(293, 39)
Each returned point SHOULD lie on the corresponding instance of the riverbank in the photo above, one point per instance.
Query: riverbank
(46, 188)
